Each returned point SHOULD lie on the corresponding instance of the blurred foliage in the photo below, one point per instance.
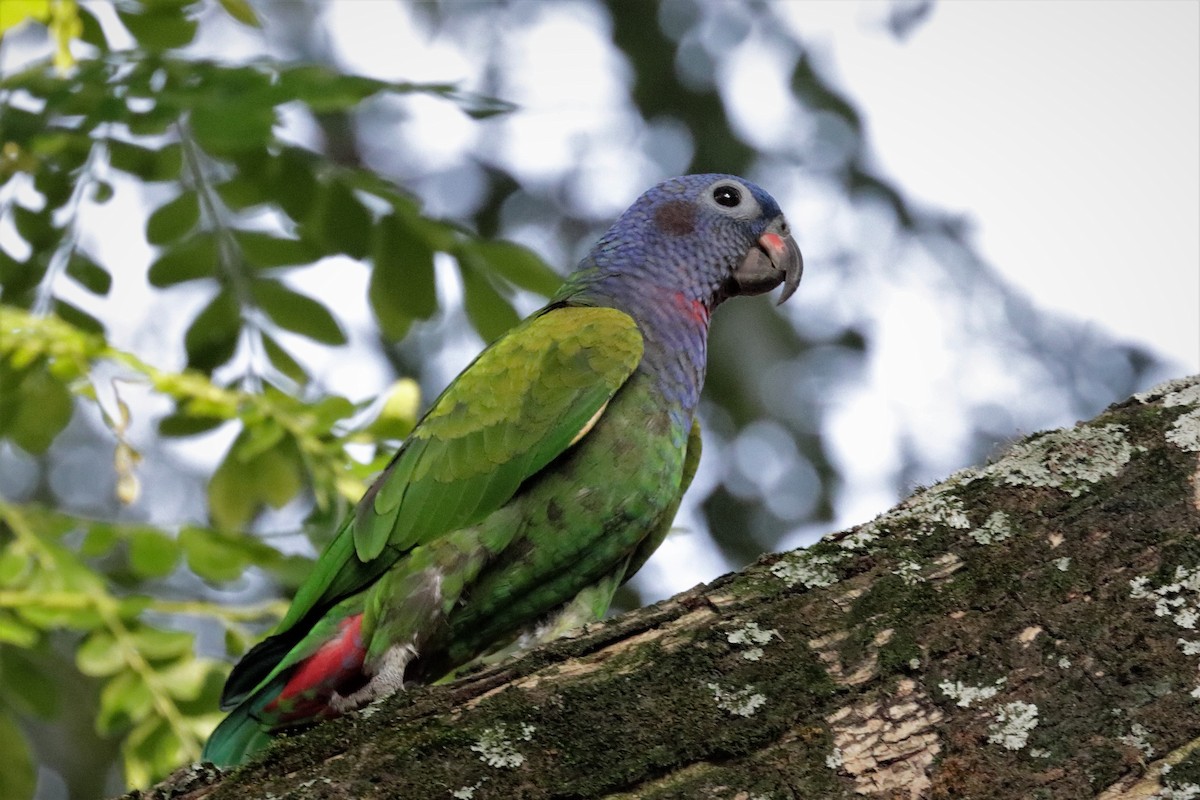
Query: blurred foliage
(111, 584)
(111, 625)
(105, 595)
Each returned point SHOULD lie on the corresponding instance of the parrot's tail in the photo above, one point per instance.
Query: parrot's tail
(297, 694)
(256, 665)
(238, 737)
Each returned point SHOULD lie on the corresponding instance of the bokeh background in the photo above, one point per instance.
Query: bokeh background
(998, 204)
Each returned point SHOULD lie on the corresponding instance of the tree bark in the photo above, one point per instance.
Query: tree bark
(1025, 629)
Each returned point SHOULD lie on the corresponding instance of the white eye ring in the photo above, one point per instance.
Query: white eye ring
(745, 205)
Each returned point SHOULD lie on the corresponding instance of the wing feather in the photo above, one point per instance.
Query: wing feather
(521, 403)
(515, 409)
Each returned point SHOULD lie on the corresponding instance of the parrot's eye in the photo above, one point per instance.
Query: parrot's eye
(727, 196)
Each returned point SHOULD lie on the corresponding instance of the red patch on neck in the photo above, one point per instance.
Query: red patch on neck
(696, 309)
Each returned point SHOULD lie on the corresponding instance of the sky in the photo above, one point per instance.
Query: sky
(1069, 132)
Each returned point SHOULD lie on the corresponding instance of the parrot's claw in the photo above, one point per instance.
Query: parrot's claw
(386, 682)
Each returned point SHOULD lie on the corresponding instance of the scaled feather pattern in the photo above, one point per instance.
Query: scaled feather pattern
(538, 482)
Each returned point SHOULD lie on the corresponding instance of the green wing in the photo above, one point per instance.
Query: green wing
(521, 403)
(515, 409)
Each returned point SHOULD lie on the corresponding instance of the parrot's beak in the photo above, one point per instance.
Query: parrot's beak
(773, 260)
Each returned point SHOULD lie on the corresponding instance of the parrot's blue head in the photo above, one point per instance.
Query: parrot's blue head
(702, 238)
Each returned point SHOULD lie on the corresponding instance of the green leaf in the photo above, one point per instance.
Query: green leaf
(77, 316)
(152, 554)
(282, 360)
(279, 475)
(211, 558)
(516, 264)
(21, 126)
(233, 125)
(184, 424)
(90, 275)
(241, 192)
(188, 260)
(144, 162)
(77, 614)
(323, 90)
(28, 687)
(816, 95)
(480, 106)
(259, 438)
(133, 606)
(35, 227)
(92, 99)
(297, 313)
(160, 27)
(399, 412)
(14, 566)
(402, 285)
(236, 642)
(340, 222)
(55, 184)
(294, 183)
(490, 314)
(18, 779)
(43, 410)
(154, 121)
(150, 751)
(208, 696)
(249, 549)
(99, 540)
(68, 574)
(266, 250)
(331, 409)
(185, 678)
(173, 219)
(93, 33)
(241, 486)
(212, 338)
(124, 700)
(99, 656)
(102, 192)
(170, 5)
(19, 277)
(242, 12)
(156, 644)
(10, 395)
(13, 14)
(14, 631)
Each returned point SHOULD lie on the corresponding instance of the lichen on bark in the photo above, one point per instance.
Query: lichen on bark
(1060, 603)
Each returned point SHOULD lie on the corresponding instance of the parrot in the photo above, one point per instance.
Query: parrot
(536, 484)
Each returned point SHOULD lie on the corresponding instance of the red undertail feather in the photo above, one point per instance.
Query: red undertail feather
(337, 666)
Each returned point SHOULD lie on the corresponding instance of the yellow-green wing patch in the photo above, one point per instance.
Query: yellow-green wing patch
(513, 410)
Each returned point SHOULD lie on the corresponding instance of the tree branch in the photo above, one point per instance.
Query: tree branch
(1024, 629)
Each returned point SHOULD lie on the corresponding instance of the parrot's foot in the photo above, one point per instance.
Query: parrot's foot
(384, 683)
